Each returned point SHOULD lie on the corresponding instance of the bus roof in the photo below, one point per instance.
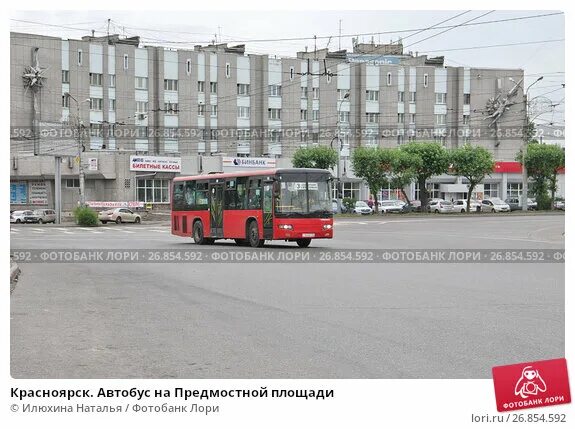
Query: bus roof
(268, 172)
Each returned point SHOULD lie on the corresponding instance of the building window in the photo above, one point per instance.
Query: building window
(315, 137)
(141, 82)
(400, 139)
(372, 95)
(400, 118)
(214, 110)
(244, 135)
(388, 79)
(243, 89)
(372, 118)
(141, 107)
(96, 79)
(440, 98)
(371, 140)
(465, 119)
(171, 108)
(213, 87)
(112, 105)
(412, 97)
(304, 92)
(425, 80)
(491, 190)
(466, 98)
(214, 134)
(303, 135)
(201, 109)
(291, 73)
(201, 86)
(243, 112)
(228, 70)
(303, 115)
(433, 190)
(188, 66)
(141, 132)
(72, 183)
(95, 130)
(274, 114)
(65, 76)
(112, 81)
(344, 117)
(514, 190)
(412, 118)
(315, 115)
(96, 103)
(351, 190)
(275, 136)
(440, 119)
(80, 57)
(315, 93)
(153, 190)
(275, 90)
(66, 101)
(170, 85)
(400, 97)
(126, 62)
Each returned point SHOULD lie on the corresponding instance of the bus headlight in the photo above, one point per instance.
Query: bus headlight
(285, 226)
(328, 226)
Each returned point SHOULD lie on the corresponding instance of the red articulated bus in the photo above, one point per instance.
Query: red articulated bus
(291, 204)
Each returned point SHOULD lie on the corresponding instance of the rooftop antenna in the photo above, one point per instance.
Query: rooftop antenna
(339, 44)
(315, 46)
(108, 31)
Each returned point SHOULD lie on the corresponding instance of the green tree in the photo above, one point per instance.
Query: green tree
(372, 165)
(403, 170)
(542, 162)
(473, 163)
(433, 160)
(315, 157)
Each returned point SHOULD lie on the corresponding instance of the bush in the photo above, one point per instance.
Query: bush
(348, 203)
(85, 216)
(544, 202)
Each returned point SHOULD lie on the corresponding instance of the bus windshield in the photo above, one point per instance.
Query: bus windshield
(304, 194)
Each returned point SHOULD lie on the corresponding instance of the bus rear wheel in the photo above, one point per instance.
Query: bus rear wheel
(198, 233)
(303, 242)
(254, 235)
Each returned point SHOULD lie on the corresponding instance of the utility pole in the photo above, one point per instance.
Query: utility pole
(58, 188)
(80, 131)
(339, 149)
(526, 137)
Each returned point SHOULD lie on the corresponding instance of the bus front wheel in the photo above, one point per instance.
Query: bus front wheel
(198, 233)
(303, 242)
(254, 235)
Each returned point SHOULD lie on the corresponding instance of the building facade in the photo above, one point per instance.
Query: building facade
(142, 114)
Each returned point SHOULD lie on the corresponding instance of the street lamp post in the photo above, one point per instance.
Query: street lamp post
(340, 148)
(82, 196)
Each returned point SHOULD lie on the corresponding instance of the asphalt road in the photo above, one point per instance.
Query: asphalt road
(290, 320)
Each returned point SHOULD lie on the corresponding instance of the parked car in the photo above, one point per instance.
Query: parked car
(460, 206)
(515, 203)
(21, 216)
(45, 215)
(119, 215)
(440, 206)
(361, 207)
(390, 206)
(415, 205)
(559, 205)
(494, 205)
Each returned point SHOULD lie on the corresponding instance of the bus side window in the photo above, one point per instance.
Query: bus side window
(178, 203)
(231, 195)
(189, 196)
(241, 193)
(254, 194)
(201, 195)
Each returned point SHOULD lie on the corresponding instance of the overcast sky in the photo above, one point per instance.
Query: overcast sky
(187, 28)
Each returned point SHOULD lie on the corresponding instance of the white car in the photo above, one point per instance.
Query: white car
(119, 216)
(361, 207)
(440, 206)
(494, 205)
(19, 216)
(390, 206)
(460, 206)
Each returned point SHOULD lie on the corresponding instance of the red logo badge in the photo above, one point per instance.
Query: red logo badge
(531, 385)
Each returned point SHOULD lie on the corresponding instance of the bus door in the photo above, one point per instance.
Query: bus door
(216, 209)
(267, 207)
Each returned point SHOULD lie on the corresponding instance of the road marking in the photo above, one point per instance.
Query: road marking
(126, 231)
(64, 230)
(14, 229)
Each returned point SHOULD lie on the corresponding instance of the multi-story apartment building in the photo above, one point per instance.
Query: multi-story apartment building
(145, 113)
